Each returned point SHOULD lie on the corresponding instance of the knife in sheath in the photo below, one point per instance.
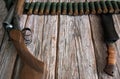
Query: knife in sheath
(110, 37)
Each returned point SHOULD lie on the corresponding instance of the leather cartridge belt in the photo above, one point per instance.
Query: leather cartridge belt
(72, 8)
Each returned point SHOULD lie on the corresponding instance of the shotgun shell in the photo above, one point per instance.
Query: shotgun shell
(104, 7)
(109, 6)
(70, 9)
(58, 7)
(98, 7)
(41, 8)
(31, 8)
(86, 8)
(64, 8)
(80, 8)
(75, 8)
(26, 7)
(36, 9)
(92, 7)
(53, 8)
(47, 8)
(115, 6)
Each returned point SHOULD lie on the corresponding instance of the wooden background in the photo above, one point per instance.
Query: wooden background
(72, 47)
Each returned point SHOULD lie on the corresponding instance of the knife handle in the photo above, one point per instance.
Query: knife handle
(23, 52)
(110, 67)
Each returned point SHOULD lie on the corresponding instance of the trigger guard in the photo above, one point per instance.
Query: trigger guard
(27, 37)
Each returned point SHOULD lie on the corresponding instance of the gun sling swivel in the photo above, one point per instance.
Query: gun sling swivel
(104, 8)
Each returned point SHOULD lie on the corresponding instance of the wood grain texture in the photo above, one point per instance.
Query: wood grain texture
(72, 47)
(3, 13)
(99, 45)
(7, 59)
(116, 19)
(48, 43)
(76, 59)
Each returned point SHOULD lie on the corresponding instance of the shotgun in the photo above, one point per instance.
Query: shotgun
(11, 25)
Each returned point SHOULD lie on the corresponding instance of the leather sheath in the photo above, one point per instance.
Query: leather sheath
(110, 33)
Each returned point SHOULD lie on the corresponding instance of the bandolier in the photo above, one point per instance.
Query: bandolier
(71, 8)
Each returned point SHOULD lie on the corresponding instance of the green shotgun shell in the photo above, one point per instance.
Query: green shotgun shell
(75, 8)
(104, 7)
(98, 7)
(86, 8)
(64, 8)
(58, 8)
(36, 9)
(92, 8)
(41, 8)
(47, 8)
(115, 6)
(53, 8)
(109, 6)
(26, 7)
(70, 8)
(31, 8)
(80, 8)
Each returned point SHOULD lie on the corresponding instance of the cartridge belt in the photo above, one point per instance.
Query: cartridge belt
(71, 8)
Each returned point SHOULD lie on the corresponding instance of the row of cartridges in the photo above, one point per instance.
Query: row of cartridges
(71, 8)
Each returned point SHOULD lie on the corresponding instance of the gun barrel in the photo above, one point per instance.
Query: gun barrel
(7, 22)
(8, 3)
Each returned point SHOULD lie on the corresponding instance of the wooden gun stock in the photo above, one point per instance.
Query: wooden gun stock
(26, 56)
(110, 67)
(19, 7)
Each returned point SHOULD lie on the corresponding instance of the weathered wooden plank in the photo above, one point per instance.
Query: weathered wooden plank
(3, 13)
(116, 19)
(76, 59)
(100, 46)
(44, 41)
(48, 43)
(7, 59)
